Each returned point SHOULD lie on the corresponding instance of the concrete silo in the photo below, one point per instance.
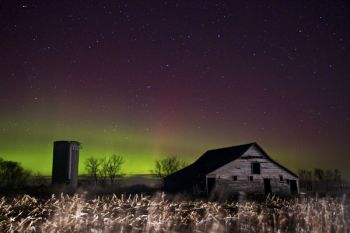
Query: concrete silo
(65, 163)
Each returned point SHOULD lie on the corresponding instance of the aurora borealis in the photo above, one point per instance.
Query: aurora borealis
(147, 79)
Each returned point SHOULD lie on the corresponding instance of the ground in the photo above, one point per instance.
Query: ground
(138, 213)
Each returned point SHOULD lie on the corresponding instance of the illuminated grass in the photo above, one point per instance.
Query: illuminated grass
(146, 214)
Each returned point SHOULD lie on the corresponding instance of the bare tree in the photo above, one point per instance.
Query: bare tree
(338, 180)
(319, 174)
(102, 172)
(111, 167)
(167, 166)
(92, 166)
(319, 181)
(305, 178)
(328, 180)
(12, 174)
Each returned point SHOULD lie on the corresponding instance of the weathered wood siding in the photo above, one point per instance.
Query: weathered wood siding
(241, 168)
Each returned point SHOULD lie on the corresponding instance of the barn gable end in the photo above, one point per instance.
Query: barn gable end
(253, 152)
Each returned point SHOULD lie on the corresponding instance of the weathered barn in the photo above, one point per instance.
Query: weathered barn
(244, 168)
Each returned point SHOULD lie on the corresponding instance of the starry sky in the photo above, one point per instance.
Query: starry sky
(148, 79)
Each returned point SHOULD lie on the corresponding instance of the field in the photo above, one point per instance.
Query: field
(158, 214)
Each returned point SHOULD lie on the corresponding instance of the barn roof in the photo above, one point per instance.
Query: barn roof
(214, 159)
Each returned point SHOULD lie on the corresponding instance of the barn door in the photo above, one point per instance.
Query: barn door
(210, 184)
(267, 186)
(293, 187)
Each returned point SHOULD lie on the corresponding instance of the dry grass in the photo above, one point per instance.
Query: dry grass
(146, 214)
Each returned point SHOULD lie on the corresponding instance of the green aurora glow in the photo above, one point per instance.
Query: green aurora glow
(145, 80)
(31, 143)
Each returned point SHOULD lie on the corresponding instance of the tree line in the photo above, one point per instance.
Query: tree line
(105, 170)
(110, 168)
(320, 180)
(12, 175)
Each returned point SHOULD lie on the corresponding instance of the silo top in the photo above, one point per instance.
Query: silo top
(65, 141)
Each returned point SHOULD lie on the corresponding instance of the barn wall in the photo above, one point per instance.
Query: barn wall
(242, 169)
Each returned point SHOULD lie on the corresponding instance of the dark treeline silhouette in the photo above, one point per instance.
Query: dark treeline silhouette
(167, 166)
(108, 169)
(105, 170)
(12, 175)
(321, 181)
(14, 178)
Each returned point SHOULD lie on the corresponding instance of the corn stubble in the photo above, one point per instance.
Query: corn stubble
(157, 214)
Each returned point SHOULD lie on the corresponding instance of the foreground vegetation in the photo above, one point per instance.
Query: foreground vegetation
(157, 214)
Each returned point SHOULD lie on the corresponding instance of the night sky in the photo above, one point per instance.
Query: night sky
(147, 79)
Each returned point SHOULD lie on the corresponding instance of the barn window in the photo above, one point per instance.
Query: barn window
(251, 178)
(255, 168)
(234, 178)
(281, 178)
